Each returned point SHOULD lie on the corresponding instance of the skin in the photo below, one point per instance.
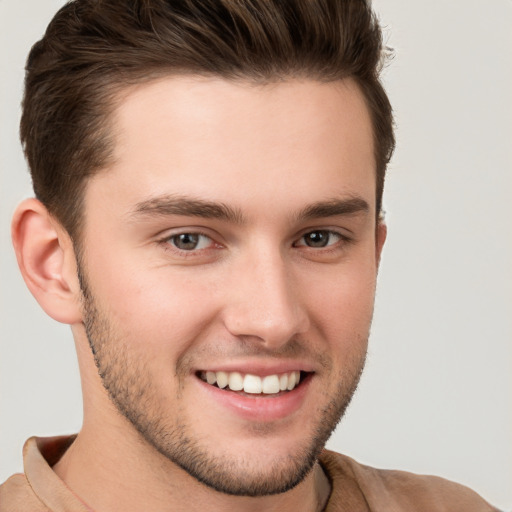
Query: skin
(252, 295)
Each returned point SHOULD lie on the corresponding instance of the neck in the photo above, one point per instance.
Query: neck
(110, 472)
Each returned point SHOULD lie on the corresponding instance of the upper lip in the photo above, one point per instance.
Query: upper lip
(260, 368)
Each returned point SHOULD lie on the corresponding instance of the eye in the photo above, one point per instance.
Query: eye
(190, 241)
(319, 239)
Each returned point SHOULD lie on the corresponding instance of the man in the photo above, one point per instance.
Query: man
(209, 180)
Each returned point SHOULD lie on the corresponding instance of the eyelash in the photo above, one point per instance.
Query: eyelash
(168, 244)
(331, 233)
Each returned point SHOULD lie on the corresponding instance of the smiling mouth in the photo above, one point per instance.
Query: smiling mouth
(254, 384)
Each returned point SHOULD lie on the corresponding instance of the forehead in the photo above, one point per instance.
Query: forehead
(232, 141)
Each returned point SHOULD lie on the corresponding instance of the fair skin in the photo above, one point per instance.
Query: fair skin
(272, 189)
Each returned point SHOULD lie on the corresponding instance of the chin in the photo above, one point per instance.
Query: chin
(254, 474)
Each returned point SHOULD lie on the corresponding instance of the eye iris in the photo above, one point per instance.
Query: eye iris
(317, 239)
(186, 241)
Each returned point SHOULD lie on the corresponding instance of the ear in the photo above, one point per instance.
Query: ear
(381, 232)
(47, 262)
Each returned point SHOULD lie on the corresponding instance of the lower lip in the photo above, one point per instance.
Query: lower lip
(260, 407)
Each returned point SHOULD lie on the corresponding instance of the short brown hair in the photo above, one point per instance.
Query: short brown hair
(92, 49)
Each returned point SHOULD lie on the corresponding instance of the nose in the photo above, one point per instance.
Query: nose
(264, 301)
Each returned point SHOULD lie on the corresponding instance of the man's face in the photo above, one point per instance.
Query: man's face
(234, 239)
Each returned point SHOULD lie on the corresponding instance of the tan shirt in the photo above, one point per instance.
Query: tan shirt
(355, 488)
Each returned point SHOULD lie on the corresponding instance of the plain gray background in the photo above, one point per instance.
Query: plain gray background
(437, 393)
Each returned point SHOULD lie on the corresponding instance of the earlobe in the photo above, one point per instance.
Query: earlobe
(46, 259)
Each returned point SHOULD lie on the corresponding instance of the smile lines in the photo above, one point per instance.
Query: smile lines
(253, 384)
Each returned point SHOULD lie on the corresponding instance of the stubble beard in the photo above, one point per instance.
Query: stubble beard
(127, 380)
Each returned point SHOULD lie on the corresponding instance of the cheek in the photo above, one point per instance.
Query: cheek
(160, 313)
(343, 306)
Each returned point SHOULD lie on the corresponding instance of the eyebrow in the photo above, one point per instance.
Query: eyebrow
(190, 207)
(334, 207)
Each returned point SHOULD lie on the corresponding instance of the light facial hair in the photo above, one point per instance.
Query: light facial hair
(127, 379)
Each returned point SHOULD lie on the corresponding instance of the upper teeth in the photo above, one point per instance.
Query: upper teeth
(269, 384)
